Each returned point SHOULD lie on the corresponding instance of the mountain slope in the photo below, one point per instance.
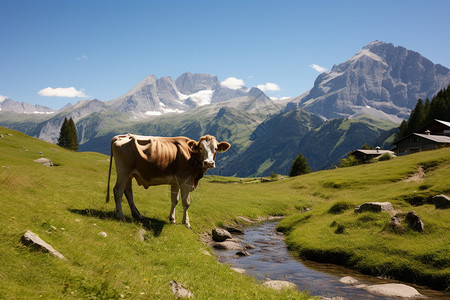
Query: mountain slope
(380, 80)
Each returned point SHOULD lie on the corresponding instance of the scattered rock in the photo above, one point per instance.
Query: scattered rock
(103, 234)
(9, 134)
(396, 223)
(332, 298)
(203, 251)
(249, 246)
(374, 207)
(349, 280)
(141, 234)
(45, 161)
(1, 136)
(179, 291)
(279, 284)
(394, 290)
(241, 271)
(220, 235)
(33, 241)
(441, 201)
(242, 253)
(228, 245)
(414, 221)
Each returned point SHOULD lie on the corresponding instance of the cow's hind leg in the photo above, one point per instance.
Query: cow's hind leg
(119, 188)
(174, 198)
(129, 194)
(186, 203)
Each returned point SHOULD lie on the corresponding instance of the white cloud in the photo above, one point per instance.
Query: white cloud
(3, 98)
(318, 68)
(233, 83)
(268, 87)
(69, 92)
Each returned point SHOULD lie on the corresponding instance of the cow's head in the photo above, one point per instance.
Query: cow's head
(207, 148)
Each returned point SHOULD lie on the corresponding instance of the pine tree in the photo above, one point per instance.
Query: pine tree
(62, 139)
(299, 166)
(68, 135)
(402, 130)
(72, 137)
(416, 118)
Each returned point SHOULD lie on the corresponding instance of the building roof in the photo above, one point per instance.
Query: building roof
(440, 122)
(443, 139)
(373, 152)
(435, 138)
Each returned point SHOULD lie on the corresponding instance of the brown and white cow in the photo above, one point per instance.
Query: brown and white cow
(177, 161)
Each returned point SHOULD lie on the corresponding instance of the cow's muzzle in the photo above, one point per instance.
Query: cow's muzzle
(209, 164)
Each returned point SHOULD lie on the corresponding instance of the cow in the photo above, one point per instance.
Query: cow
(177, 161)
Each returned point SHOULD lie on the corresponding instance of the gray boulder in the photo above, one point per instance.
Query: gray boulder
(374, 207)
(36, 243)
(394, 290)
(228, 245)
(414, 221)
(45, 161)
(279, 284)
(441, 201)
(220, 235)
(179, 291)
(243, 253)
(349, 280)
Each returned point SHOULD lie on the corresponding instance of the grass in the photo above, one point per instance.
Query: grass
(65, 206)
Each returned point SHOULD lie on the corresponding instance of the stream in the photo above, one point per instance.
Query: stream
(270, 259)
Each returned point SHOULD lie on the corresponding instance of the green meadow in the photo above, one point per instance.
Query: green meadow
(65, 205)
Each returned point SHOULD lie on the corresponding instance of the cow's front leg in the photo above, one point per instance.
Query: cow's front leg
(129, 194)
(174, 198)
(186, 198)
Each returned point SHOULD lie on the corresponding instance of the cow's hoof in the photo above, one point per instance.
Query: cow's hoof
(188, 226)
(138, 217)
(120, 217)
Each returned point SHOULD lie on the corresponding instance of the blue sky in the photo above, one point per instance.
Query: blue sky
(101, 49)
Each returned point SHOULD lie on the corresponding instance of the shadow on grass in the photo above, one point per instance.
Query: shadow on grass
(151, 224)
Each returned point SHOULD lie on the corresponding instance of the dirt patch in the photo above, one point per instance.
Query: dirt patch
(418, 176)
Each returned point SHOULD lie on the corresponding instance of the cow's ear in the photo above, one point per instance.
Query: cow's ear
(193, 145)
(223, 146)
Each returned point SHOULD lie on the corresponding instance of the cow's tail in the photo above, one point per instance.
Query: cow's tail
(109, 173)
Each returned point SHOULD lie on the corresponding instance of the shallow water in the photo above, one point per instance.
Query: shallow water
(271, 260)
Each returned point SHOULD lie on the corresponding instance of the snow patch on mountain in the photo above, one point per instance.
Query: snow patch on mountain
(200, 98)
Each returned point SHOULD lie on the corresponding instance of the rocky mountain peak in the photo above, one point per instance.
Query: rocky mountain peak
(189, 83)
(381, 80)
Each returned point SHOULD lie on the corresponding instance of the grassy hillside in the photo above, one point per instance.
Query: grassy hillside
(333, 232)
(65, 206)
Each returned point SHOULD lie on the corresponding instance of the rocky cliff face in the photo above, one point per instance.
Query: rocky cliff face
(381, 80)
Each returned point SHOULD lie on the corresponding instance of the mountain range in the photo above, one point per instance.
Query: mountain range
(355, 103)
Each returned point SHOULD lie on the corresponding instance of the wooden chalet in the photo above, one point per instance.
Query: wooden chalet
(434, 135)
